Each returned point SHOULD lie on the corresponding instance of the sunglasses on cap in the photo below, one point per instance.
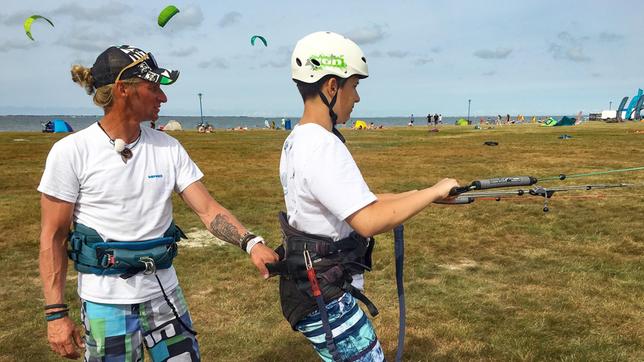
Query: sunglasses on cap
(148, 58)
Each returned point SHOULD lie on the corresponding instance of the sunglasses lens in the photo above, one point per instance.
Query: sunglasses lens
(152, 62)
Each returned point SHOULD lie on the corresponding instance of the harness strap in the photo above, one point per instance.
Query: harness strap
(328, 333)
(319, 299)
(356, 293)
(91, 254)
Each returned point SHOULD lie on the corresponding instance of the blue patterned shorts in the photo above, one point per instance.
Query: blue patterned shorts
(117, 332)
(353, 333)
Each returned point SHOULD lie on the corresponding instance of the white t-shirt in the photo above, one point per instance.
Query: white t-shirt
(121, 201)
(322, 184)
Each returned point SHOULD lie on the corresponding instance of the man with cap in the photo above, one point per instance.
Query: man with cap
(114, 182)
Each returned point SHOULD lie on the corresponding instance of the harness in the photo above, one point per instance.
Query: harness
(315, 269)
(92, 254)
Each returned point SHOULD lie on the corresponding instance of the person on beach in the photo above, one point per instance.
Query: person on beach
(330, 207)
(114, 182)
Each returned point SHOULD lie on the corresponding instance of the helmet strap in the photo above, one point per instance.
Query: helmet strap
(334, 117)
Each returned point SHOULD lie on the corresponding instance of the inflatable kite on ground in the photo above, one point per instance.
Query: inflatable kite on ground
(255, 37)
(30, 20)
(166, 14)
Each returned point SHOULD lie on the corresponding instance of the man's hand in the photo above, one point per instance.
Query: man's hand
(64, 338)
(261, 254)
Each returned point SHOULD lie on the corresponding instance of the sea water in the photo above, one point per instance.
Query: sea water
(34, 123)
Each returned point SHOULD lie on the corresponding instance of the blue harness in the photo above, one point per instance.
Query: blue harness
(91, 254)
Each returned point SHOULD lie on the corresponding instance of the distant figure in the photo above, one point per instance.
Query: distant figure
(429, 119)
(372, 126)
(440, 118)
(209, 129)
(507, 118)
(435, 118)
(411, 120)
(266, 124)
(498, 120)
(272, 124)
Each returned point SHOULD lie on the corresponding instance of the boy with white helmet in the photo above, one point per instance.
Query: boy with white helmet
(331, 213)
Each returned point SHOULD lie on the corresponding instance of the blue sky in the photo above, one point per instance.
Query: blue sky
(537, 57)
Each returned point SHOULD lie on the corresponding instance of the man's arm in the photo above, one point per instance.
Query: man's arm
(222, 224)
(56, 217)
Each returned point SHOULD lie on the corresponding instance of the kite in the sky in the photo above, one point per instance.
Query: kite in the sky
(166, 14)
(255, 37)
(30, 20)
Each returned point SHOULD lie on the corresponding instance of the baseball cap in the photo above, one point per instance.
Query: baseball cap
(124, 62)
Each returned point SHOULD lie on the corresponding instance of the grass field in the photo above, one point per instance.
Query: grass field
(499, 281)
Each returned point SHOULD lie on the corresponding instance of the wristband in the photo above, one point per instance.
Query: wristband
(243, 241)
(54, 316)
(254, 241)
(52, 306)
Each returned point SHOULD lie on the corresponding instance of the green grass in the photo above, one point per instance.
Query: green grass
(488, 281)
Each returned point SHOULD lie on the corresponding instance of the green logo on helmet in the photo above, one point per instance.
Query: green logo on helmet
(318, 62)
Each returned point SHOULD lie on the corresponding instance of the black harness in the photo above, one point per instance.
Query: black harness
(334, 263)
(315, 269)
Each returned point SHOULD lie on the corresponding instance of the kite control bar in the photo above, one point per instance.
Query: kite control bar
(513, 181)
(486, 184)
(494, 183)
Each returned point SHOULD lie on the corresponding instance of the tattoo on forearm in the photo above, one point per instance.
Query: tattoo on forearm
(221, 227)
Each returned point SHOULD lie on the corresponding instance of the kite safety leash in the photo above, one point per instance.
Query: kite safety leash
(399, 252)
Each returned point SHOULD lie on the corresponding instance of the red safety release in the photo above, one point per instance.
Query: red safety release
(310, 274)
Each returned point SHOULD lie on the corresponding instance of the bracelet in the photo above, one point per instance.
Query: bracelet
(254, 241)
(58, 311)
(56, 315)
(52, 306)
(243, 241)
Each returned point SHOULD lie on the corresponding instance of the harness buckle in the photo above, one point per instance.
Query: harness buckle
(150, 267)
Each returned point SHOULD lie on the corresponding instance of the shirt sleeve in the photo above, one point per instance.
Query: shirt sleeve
(186, 170)
(60, 178)
(335, 180)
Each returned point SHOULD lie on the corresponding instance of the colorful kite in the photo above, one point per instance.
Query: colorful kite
(30, 20)
(166, 14)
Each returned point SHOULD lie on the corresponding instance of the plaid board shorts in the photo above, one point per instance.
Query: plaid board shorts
(117, 332)
(353, 334)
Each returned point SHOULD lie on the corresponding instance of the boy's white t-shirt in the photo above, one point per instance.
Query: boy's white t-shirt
(121, 201)
(322, 184)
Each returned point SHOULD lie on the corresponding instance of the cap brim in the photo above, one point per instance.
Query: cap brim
(164, 76)
(157, 75)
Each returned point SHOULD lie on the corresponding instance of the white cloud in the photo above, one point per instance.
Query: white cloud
(9, 45)
(184, 52)
(499, 53)
(610, 37)
(217, 63)
(102, 14)
(368, 34)
(229, 19)
(569, 48)
(397, 53)
(423, 61)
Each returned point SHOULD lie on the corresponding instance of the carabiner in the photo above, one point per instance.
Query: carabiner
(150, 267)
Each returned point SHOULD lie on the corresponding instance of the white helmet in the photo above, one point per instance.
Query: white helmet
(326, 53)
